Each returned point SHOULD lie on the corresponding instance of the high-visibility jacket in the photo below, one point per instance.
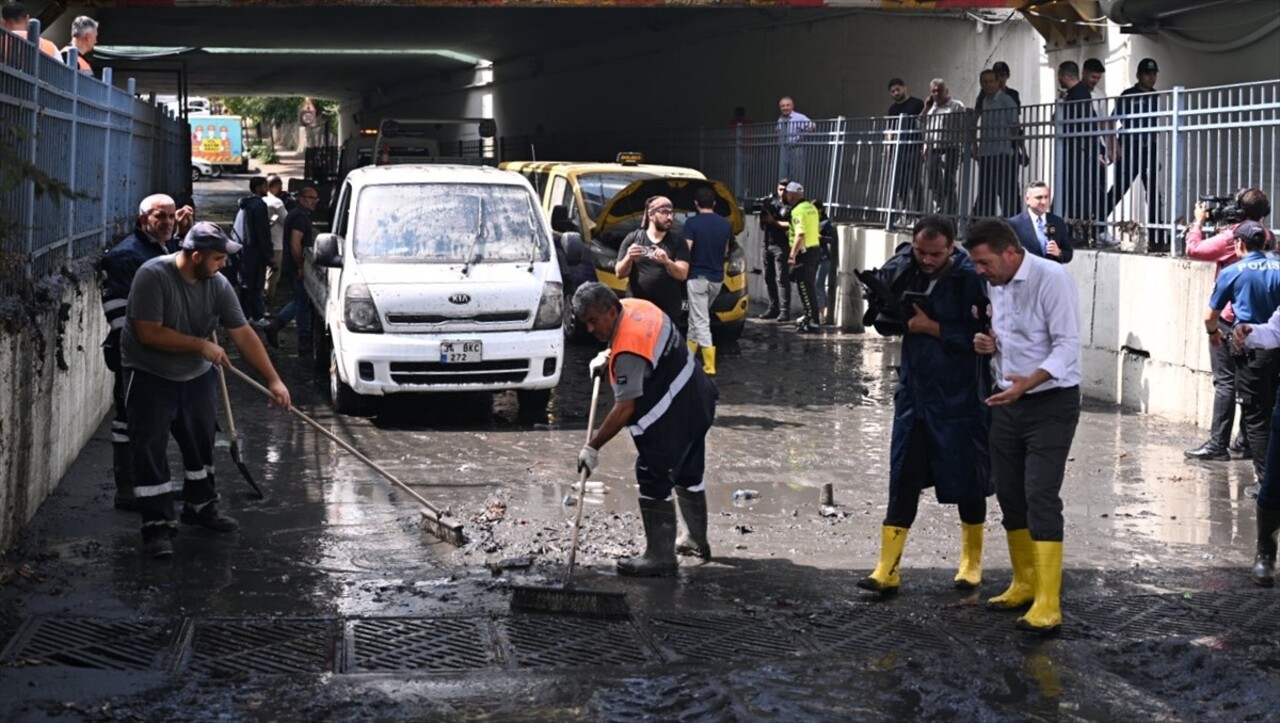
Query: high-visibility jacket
(678, 402)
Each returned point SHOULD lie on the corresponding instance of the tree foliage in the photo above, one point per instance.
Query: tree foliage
(274, 111)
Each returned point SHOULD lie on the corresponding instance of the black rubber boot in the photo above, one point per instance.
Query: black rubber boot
(659, 558)
(1264, 565)
(122, 469)
(693, 508)
(208, 517)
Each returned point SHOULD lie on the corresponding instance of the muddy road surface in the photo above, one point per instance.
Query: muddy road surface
(330, 603)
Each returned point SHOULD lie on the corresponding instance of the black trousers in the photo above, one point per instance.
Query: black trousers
(656, 481)
(1256, 393)
(997, 183)
(806, 275)
(1138, 160)
(1223, 366)
(158, 407)
(908, 194)
(915, 478)
(1084, 195)
(942, 163)
(1030, 440)
(777, 276)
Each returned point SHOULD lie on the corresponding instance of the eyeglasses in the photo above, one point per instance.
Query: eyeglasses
(662, 211)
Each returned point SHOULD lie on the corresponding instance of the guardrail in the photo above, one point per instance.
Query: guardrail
(1124, 170)
(109, 147)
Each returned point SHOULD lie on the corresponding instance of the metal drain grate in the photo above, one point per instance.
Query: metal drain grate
(434, 644)
(1142, 617)
(97, 644)
(874, 628)
(1248, 610)
(551, 641)
(233, 647)
(723, 637)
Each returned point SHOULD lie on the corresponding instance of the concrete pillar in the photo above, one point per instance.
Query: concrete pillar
(849, 305)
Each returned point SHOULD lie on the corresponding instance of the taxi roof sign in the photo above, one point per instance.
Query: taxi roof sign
(630, 158)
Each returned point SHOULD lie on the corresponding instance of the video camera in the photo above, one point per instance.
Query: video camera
(1222, 209)
(889, 304)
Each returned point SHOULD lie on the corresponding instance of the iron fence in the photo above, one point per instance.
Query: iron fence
(107, 146)
(1125, 171)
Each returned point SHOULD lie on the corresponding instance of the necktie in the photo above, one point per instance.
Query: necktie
(1044, 241)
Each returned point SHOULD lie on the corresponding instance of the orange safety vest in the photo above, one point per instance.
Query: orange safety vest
(639, 332)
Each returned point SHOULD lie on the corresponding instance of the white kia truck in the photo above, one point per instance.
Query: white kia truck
(437, 278)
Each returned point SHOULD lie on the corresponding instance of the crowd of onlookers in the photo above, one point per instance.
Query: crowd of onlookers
(84, 35)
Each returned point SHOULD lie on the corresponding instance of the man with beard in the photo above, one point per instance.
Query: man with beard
(175, 303)
(656, 261)
(940, 422)
(904, 147)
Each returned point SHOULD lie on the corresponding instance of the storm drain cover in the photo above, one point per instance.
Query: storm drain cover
(874, 628)
(232, 647)
(86, 643)
(1140, 617)
(723, 637)
(1252, 610)
(431, 645)
(553, 641)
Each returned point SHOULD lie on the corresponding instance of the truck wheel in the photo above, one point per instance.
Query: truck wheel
(196, 175)
(532, 405)
(344, 398)
(321, 347)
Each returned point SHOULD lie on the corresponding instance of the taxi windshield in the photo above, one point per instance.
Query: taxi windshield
(599, 188)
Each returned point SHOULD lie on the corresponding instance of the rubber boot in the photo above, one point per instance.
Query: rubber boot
(709, 360)
(1264, 565)
(659, 558)
(1045, 615)
(693, 508)
(122, 469)
(884, 579)
(693, 347)
(1022, 591)
(970, 574)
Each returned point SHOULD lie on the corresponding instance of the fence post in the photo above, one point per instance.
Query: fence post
(131, 87)
(1060, 191)
(72, 157)
(1177, 166)
(837, 147)
(965, 199)
(107, 183)
(893, 170)
(737, 161)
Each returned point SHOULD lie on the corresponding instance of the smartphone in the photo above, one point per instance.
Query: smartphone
(914, 297)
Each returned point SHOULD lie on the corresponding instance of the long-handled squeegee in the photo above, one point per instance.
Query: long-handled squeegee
(437, 522)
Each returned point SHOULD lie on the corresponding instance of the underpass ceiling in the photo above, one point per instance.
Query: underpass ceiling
(495, 34)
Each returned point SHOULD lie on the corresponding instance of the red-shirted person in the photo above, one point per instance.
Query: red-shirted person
(668, 404)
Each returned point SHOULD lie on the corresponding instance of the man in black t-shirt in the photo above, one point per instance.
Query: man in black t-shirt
(1139, 157)
(904, 144)
(299, 234)
(656, 261)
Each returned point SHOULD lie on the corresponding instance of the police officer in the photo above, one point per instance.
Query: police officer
(668, 404)
(775, 216)
(158, 217)
(1252, 287)
(805, 254)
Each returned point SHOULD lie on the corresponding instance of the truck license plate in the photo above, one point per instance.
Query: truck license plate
(461, 352)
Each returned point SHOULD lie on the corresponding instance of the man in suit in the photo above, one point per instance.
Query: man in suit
(1040, 232)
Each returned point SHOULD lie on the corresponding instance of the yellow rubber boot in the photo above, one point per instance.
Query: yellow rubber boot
(970, 574)
(884, 579)
(709, 360)
(1045, 615)
(1022, 591)
(693, 347)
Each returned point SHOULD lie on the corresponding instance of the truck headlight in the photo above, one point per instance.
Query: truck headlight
(359, 312)
(551, 307)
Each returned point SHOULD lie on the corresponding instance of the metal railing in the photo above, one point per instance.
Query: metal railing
(1124, 171)
(102, 142)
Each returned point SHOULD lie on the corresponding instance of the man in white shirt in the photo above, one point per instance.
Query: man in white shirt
(943, 139)
(1035, 337)
(275, 213)
(792, 124)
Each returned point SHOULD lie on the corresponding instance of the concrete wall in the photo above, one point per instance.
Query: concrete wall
(57, 390)
(1143, 343)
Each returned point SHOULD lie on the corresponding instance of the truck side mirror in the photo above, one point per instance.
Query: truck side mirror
(560, 219)
(571, 243)
(328, 251)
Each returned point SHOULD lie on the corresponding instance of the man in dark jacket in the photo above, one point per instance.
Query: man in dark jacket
(158, 217)
(940, 423)
(253, 227)
(1040, 231)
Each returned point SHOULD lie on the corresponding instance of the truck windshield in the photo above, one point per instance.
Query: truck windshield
(598, 188)
(447, 223)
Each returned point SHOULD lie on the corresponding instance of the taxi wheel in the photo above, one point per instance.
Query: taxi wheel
(344, 398)
(532, 405)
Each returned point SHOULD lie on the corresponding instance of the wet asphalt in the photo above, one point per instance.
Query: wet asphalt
(1161, 621)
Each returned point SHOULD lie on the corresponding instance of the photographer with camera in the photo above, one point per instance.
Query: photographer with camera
(775, 217)
(1252, 287)
(940, 422)
(1250, 204)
